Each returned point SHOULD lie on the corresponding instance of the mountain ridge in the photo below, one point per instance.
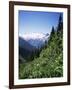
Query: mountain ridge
(25, 49)
(35, 39)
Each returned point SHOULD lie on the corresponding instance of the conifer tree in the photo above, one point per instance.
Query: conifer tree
(53, 31)
(45, 44)
(52, 34)
(38, 52)
(60, 23)
(32, 55)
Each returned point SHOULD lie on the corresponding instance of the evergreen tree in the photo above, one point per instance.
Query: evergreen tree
(35, 53)
(60, 23)
(53, 31)
(41, 48)
(52, 34)
(45, 44)
(32, 55)
(38, 52)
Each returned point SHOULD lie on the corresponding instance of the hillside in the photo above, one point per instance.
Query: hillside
(49, 63)
(25, 50)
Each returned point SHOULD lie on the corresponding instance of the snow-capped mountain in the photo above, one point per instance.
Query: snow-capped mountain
(35, 39)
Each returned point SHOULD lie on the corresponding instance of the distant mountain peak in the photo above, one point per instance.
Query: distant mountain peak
(35, 39)
(33, 35)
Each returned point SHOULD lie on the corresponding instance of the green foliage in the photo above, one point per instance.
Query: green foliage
(49, 59)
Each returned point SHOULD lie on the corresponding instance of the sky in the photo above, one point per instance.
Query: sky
(37, 21)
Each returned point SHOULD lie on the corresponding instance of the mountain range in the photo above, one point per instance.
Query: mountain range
(29, 45)
(35, 39)
(25, 49)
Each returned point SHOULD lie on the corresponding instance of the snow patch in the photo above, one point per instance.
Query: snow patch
(35, 39)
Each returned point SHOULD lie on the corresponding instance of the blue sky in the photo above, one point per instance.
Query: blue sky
(36, 21)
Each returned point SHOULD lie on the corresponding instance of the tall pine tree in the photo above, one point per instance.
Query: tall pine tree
(60, 23)
(52, 34)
